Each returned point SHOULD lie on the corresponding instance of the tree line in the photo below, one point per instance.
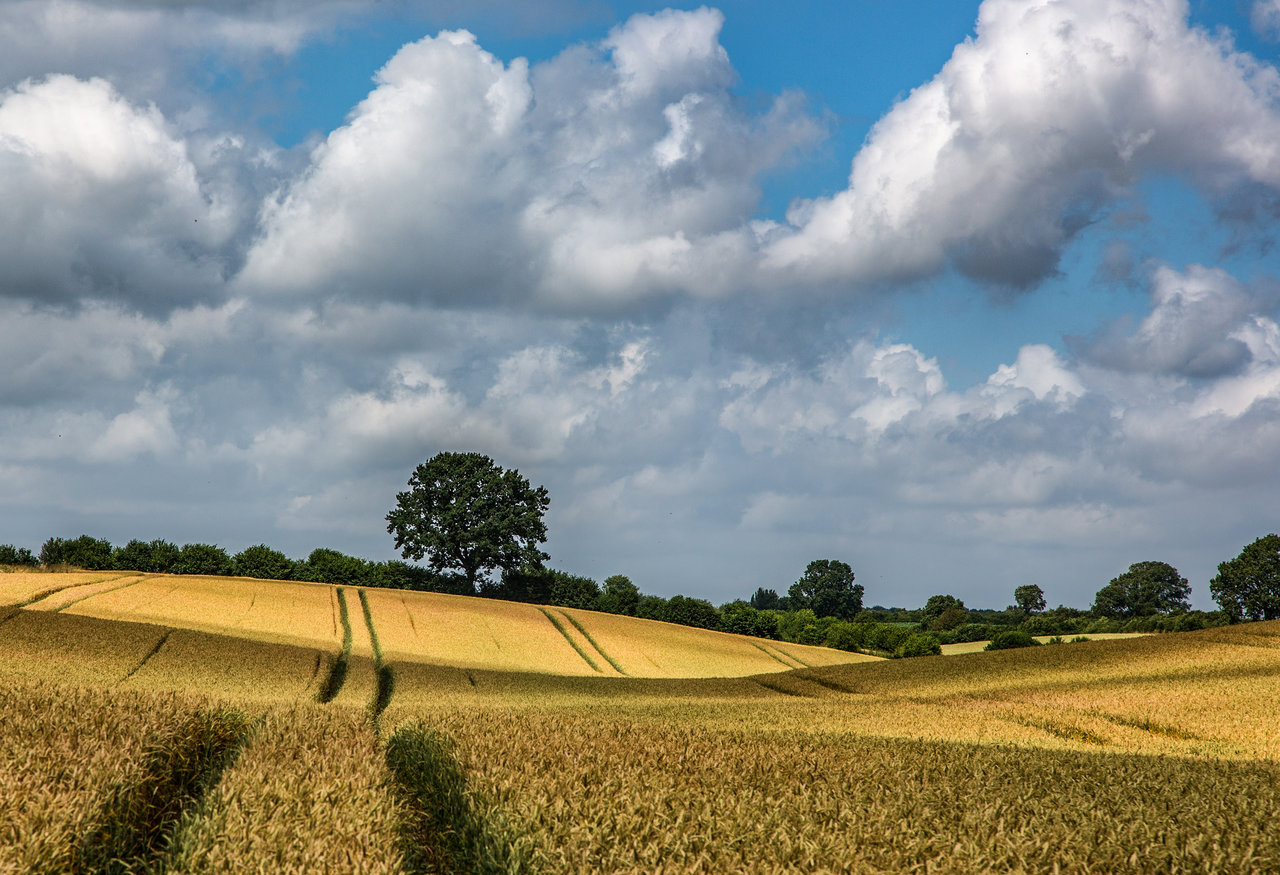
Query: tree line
(479, 526)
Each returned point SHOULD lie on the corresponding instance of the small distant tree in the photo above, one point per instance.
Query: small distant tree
(324, 565)
(572, 591)
(153, 557)
(919, 644)
(263, 563)
(464, 512)
(692, 612)
(943, 612)
(765, 600)
(1146, 588)
(207, 559)
(740, 618)
(652, 607)
(21, 556)
(1248, 587)
(92, 554)
(1029, 598)
(620, 595)
(827, 589)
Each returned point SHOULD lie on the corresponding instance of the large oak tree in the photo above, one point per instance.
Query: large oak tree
(463, 512)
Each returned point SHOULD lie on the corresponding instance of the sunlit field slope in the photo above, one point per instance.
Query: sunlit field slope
(457, 631)
(366, 746)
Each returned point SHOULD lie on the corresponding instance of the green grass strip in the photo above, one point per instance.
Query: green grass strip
(386, 677)
(593, 642)
(135, 828)
(586, 657)
(445, 828)
(338, 668)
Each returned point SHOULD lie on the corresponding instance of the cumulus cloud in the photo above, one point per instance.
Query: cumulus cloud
(609, 174)
(1048, 115)
(1203, 323)
(102, 200)
(1265, 18)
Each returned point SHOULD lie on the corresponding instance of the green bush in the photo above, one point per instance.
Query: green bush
(264, 563)
(1011, 639)
(919, 644)
(208, 559)
(92, 554)
(153, 557)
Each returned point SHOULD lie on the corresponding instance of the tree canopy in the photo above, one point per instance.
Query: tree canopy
(828, 590)
(1146, 588)
(1248, 587)
(464, 512)
(1029, 597)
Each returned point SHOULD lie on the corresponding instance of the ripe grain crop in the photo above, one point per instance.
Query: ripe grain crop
(133, 830)
(69, 596)
(471, 633)
(74, 649)
(308, 794)
(233, 670)
(272, 611)
(24, 587)
(644, 648)
(62, 749)
(601, 794)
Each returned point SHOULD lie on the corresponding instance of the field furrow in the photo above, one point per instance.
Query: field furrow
(62, 750)
(308, 794)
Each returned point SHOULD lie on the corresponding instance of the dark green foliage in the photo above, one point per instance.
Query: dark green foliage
(919, 644)
(153, 557)
(1248, 587)
(263, 563)
(765, 600)
(620, 595)
(463, 512)
(1029, 598)
(843, 635)
(330, 566)
(651, 607)
(203, 559)
(11, 555)
(401, 575)
(1146, 588)
(572, 591)
(92, 554)
(943, 612)
(888, 637)
(742, 619)
(1011, 639)
(136, 825)
(827, 589)
(692, 612)
(444, 828)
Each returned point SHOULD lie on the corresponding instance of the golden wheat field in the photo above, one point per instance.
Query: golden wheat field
(387, 732)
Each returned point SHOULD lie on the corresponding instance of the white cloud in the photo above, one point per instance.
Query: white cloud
(1265, 18)
(1198, 326)
(1032, 128)
(606, 175)
(101, 200)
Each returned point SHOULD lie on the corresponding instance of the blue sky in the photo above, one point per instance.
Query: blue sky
(966, 295)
